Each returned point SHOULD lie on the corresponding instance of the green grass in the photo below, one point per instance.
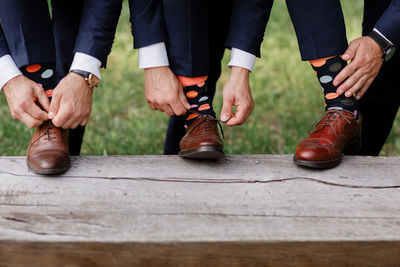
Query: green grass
(282, 85)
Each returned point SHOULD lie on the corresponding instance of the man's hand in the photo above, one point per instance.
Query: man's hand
(237, 93)
(71, 102)
(164, 92)
(366, 60)
(22, 94)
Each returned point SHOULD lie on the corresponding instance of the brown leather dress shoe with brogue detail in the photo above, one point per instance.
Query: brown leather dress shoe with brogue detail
(337, 133)
(48, 150)
(202, 140)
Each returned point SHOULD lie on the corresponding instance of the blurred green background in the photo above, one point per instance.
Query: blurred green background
(287, 95)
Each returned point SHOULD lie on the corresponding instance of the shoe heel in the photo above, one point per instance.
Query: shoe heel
(353, 147)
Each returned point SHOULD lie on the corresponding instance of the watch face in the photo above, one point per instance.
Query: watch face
(93, 80)
(389, 53)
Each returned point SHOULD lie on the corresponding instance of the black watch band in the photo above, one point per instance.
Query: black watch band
(387, 47)
(82, 73)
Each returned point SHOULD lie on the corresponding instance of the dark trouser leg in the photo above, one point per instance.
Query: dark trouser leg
(380, 103)
(319, 27)
(379, 107)
(28, 31)
(66, 20)
(219, 14)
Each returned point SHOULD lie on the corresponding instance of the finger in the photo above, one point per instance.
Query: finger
(226, 111)
(54, 106)
(184, 101)
(178, 108)
(349, 82)
(351, 51)
(345, 73)
(167, 109)
(76, 124)
(37, 113)
(152, 106)
(356, 86)
(29, 121)
(71, 122)
(84, 122)
(364, 89)
(42, 97)
(62, 117)
(238, 118)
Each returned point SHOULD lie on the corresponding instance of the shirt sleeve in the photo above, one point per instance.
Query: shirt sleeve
(86, 63)
(152, 56)
(8, 70)
(243, 59)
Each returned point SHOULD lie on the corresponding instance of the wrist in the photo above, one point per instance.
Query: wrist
(9, 84)
(240, 72)
(385, 47)
(91, 79)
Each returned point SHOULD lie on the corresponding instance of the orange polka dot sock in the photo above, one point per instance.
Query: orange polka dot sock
(43, 74)
(326, 70)
(195, 90)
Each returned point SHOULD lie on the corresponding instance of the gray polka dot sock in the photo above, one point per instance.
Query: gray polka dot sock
(43, 74)
(326, 73)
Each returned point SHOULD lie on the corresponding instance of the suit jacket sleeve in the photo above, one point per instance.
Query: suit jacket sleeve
(3, 44)
(247, 26)
(147, 20)
(97, 30)
(389, 23)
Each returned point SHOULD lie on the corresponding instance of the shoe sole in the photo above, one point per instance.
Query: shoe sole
(204, 152)
(47, 172)
(326, 164)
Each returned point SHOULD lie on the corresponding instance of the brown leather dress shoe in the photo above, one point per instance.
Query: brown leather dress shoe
(48, 150)
(337, 133)
(202, 140)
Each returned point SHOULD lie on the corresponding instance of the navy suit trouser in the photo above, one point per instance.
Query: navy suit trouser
(34, 36)
(381, 102)
(319, 27)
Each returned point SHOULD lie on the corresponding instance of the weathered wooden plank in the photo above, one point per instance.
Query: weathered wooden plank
(249, 209)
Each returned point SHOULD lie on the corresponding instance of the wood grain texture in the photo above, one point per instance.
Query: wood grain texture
(251, 210)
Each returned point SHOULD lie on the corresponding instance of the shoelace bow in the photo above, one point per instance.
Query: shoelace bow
(208, 117)
(332, 115)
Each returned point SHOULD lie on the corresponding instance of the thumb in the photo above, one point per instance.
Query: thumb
(226, 111)
(54, 106)
(42, 98)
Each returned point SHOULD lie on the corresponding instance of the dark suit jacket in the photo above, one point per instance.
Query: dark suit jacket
(389, 22)
(96, 32)
(100, 19)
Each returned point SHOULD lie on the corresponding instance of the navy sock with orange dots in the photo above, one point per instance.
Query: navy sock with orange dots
(326, 70)
(196, 94)
(43, 74)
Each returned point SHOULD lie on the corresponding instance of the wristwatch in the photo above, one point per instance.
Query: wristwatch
(91, 79)
(387, 47)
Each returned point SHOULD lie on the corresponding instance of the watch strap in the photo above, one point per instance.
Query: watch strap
(82, 73)
(380, 40)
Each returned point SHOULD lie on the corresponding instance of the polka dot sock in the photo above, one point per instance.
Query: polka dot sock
(195, 90)
(43, 74)
(326, 70)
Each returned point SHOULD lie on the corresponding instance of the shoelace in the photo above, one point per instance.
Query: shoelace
(208, 117)
(332, 115)
(50, 134)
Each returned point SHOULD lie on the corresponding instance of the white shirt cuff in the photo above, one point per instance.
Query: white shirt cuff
(86, 63)
(377, 31)
(243, 59)
(8, 70)
(152, 56)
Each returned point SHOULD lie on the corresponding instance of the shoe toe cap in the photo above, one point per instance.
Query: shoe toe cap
(50, 162)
